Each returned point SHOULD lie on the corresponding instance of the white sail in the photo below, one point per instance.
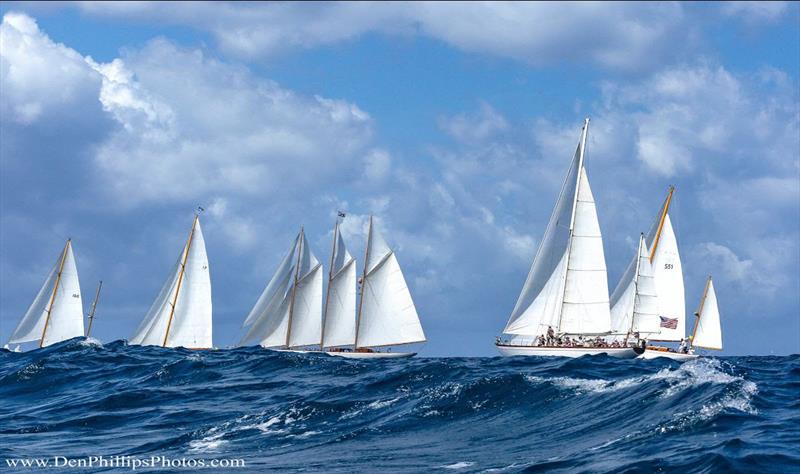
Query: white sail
(63, 304)
(585, 309)
(305, 322)
(708, 333)
(340, 310)
(189, 323)
(668, 274)
(269, 318)
(567, 286)
(634, 303)
(387, 315)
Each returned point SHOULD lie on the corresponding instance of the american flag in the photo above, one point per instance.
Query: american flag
(669, 323)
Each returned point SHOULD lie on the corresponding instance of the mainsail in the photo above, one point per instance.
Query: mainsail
(289, 311)
(707, 330)
(386, 315)
(668, 273)
(634, 303)
(56, 313)
(339, 326)
(567, 286)
(180, 316)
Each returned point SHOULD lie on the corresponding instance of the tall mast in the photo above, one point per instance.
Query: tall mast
(55, 289)
(330, 279)
(661, 222)
(94, 306)
(700, 309)
(635, 285)
(572, 217)
(294, 287)
(180, 279)
(363, 282)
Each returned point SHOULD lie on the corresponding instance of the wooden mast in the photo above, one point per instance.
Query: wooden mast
(94, 306)
(661, 222)
(700, 310)
(330, 279)
(55, 289)
(363, 283)
(585, 131)
(180, 279)
(294, 287)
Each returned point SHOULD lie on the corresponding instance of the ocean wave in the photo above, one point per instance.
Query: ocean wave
(290, 412)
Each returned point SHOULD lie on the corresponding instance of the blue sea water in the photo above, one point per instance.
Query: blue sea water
(293, 412)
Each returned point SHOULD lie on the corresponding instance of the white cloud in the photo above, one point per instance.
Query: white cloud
(732, 267)
(756, 10)
(475, 127)
(614, 35)
(377, 164)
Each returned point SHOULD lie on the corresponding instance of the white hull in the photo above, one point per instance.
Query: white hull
(372, 355)
(618, 352)
(654, 354)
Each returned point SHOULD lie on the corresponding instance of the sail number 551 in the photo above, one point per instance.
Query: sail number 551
(668, 266)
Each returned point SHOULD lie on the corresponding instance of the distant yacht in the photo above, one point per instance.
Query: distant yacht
(56, 313)
(288, 314)
(386, 313)
(563, 309)
(707, 332)
(181, 314)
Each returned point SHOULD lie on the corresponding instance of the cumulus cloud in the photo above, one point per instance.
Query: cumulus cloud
(474, 127)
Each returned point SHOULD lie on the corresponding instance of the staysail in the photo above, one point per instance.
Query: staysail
(339, 326)
(708, 330)
(289, 311)
(567, 286)
(634, 303)
(180, 316)
(56, 313)
(386, 315)
(668, 274)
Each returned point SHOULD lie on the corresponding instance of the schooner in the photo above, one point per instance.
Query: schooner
(180, 316)
(56, 313)
(563, 308)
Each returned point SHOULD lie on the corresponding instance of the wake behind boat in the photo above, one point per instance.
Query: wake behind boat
(563, 308)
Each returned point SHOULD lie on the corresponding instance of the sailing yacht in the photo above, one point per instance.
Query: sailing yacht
(56, 313)
(386, 313)
(288, 314)
(566, 292)
(180, 316)
(634, 303)
(707, 332)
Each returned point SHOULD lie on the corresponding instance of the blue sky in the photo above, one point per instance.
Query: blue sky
(452, 123)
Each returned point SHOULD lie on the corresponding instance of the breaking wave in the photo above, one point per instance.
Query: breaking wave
(286, 411)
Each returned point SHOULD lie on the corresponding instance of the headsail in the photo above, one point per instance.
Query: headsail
(567, 286)
(387, 315)
(305, 314)
(56, 313)
(708, 330)
(634, 303)
(668, 273)
(180, 316)
(340, 306)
